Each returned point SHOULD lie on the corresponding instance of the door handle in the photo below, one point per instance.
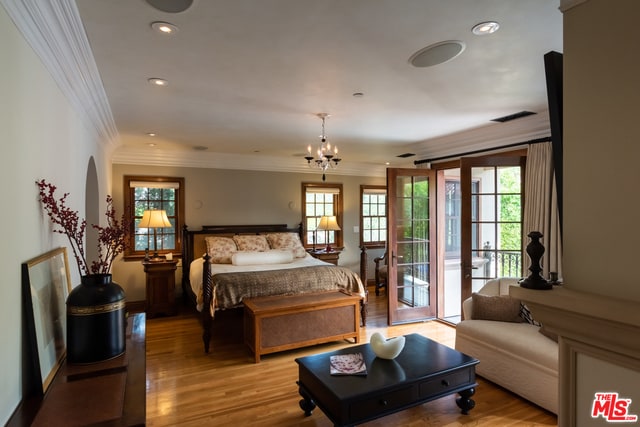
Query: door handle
(467, 271)
(394, 257)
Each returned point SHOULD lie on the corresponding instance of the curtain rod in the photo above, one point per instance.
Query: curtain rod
(484, 150)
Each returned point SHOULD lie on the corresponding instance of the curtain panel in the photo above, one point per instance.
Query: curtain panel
(541, 208)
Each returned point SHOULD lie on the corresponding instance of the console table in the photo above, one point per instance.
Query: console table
(108, 394)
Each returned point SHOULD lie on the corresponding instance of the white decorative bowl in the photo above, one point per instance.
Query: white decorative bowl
(386, 348)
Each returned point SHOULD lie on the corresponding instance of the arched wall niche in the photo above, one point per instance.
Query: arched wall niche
(92, 211)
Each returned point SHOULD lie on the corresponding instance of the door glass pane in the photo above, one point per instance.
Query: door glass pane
(481, 263)
(508, 179)
(487, 207)
(452, 240)
(412, 205)
(487, 233)
(476, 284)
(509, 207)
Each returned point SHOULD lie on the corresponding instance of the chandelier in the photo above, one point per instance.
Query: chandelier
(325, 157)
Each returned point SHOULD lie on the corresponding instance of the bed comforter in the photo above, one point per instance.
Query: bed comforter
(231, 285)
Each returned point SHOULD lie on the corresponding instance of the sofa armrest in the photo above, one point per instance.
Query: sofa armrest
(467, 309)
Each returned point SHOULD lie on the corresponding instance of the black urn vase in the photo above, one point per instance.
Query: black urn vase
(95, 320)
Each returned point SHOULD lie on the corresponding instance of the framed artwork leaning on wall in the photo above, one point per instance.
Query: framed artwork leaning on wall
(46, 283)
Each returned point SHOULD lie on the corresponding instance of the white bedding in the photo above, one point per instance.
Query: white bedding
(195, 269)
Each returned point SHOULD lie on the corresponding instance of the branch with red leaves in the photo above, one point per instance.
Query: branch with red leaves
(112, 239)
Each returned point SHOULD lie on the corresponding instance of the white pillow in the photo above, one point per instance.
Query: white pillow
(274, 256)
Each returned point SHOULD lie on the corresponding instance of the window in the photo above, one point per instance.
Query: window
(373, 216)
(161, 193)
(319, 200)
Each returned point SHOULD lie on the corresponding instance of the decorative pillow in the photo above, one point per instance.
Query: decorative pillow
(251, 242)
(220, 249)
(274, 256)
(502, 308)
(527, 316)
(289, 241)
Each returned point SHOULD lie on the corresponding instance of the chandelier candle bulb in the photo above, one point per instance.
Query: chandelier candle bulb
(326, 158)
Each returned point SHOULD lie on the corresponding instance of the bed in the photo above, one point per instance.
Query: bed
(222, 265)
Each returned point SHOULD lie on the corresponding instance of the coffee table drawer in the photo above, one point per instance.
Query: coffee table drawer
(445, 383)
(385, 402)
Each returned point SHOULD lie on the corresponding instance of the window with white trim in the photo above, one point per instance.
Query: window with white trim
(373, 216)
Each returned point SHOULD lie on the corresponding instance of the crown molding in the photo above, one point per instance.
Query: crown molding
(494, 135)
(213, 160)
(55, 32)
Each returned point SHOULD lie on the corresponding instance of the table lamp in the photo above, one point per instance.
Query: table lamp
(154, 219)
(328, 223)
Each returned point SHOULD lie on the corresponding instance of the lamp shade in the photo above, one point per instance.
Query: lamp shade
(328, 223)
(154, 219)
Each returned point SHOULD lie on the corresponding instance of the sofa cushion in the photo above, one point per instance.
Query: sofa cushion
(500, 307)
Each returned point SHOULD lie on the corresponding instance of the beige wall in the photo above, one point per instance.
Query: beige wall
(232, 197)
(602, 148)
(41, 137)
(601, 175)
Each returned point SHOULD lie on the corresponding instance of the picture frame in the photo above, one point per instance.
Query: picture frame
(46, 284)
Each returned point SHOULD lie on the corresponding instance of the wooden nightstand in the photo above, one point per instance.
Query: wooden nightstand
(161, 286)
(331, 257)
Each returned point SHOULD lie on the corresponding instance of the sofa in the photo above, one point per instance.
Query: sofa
(499, 331)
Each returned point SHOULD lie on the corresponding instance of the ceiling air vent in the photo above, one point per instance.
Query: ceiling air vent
(513, 116)
(405, 155)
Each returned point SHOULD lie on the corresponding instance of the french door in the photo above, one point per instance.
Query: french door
(491, 212)
(411, 245)
(439, 255)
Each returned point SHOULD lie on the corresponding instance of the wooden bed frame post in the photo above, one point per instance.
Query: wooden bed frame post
(207, 296)
(187, 257)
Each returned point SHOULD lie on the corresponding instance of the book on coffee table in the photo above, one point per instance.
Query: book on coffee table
(348, 364)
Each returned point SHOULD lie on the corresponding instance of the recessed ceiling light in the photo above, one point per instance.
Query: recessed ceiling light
(164, 27)
(437, 53)
(151, 134)
(484, 28)
(151, 144)
(157, 81)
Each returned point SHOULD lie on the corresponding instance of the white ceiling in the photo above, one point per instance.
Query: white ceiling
(247, 78)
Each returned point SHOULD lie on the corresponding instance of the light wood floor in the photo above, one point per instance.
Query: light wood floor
(186, 387)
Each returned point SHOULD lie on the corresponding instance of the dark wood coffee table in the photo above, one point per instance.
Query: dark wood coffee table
(424, 371)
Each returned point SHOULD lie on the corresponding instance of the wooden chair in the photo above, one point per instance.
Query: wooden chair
(381, 272)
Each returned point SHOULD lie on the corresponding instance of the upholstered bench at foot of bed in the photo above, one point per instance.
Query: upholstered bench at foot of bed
(279, 323)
